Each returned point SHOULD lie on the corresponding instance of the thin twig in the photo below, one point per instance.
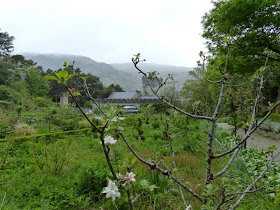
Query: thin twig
(164, 172)
(135, 62)
(81, 110)
(252, 191)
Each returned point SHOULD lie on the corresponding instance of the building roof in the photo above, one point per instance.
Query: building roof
(148, 97)
(122, 95)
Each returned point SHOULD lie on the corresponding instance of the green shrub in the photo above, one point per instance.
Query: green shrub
(56, 121)
(69, 124)
(274, 117)
(277, 200)
(155, 124)
(157, 134)
(4, 129)
(91, 180)
(165, 151)
(271, 126)
(87, 104)
(42, 102)
(5, 93)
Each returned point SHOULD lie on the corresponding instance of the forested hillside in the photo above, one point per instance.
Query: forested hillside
(123, 74)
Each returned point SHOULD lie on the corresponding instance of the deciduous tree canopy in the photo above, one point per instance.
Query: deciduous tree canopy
(253, 26)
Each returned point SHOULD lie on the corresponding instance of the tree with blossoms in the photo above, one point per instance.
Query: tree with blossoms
(120, 182)
(216, 193)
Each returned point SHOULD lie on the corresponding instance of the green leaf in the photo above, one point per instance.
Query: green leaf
(72, 75)
(62, 74)
(219, 62)
(144, 183)
(51, 77)
(84, 78)
(227, 40)
(272, 195)
(133, 160)
(209, 187)
(115, 119)
(98, 118)
(152, 187)
(65, 63)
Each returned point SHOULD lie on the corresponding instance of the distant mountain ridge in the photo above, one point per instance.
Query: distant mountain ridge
(180, 73)
(149, 67)
(123, 74)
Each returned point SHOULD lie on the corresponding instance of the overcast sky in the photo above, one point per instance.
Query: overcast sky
(163, 31)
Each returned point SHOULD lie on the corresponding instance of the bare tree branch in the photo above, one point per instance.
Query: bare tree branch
(253, 126)
(81, 110)
(249, 132)
(135, 62)
(167, 173)
(252, 191)
(209, 158)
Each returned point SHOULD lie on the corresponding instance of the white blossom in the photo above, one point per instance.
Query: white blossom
(109, 140)
(112, 190)
(130, 177)
(189, 207)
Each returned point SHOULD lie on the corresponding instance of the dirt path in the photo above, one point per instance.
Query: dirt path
(256, 140)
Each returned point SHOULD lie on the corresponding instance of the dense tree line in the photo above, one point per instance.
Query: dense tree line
(253, 28)
(21, 78)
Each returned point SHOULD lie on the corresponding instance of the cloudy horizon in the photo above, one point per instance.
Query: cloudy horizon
(164, 32)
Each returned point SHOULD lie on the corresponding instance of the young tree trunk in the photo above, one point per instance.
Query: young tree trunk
(278, 99)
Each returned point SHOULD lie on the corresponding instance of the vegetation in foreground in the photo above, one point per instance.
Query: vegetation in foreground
(69, 170)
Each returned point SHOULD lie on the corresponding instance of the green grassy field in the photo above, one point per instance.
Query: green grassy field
(68, 170)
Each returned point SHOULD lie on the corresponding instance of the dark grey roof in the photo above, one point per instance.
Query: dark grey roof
(122, 95)
(148, 97)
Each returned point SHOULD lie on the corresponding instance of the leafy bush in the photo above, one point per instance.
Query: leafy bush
(5, 93)
(69, 124)
(91, 180)
(42, 102)
(157, 134)
(87, 104)
(4, 129)
(155, 124)
(275, 117)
